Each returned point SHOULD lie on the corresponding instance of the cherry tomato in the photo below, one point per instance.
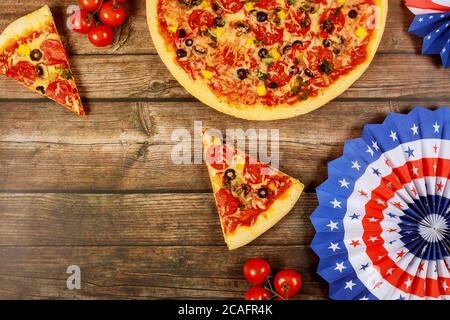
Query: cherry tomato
(112, 14)
(82, 21)
(256, 271)
(287, 283)
(101, 36)
(257, 293)
(90, 5)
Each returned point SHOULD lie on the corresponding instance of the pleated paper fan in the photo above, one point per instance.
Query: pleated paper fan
(432, 23)
(383, 221)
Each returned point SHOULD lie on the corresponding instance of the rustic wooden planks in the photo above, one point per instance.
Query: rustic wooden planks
(142, 77)
(145, 271)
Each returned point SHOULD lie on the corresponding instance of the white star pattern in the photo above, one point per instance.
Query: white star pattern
(375, 145)
(444, 285)
(349, 285)
(355, 165)
(390, 270)
(364, 298)
(340, 266)
(415, 129)
(332, 225)
(334, 246)
(415, 170)
(393, 136)
(336, 203)
(408, 282)
(369, 150)
(344, 183)
(436, 127)
(373, 239)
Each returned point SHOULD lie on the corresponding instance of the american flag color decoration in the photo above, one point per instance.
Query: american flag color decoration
(432, 23)
(383, 221)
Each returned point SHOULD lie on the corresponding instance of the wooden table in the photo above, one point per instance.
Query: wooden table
(103, 193)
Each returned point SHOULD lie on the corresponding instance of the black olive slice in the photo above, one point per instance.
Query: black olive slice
(230, 174)
(263, 192)
(41, 89)
(181, 53)
(36, 55)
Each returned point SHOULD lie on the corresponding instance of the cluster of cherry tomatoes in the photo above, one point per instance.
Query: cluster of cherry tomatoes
(97, 18)
(286, 284)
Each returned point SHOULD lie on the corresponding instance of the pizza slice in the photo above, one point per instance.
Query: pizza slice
(251, 196)
(32, 53)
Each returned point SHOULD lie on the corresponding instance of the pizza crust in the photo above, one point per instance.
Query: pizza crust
(267, 219)
(25, 25)
(260, 112)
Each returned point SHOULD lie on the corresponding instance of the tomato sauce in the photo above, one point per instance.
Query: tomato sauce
(325, 64)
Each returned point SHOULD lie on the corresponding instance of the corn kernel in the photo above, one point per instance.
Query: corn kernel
(275, 54)
(272, 186)
(172, 28)
(341, 2)
(219, 32)
(204, 5)
(249, 6)
(282, 15)
(249, 43)
(261, 90)
(361, 33)
(23, 50)
(207, 74)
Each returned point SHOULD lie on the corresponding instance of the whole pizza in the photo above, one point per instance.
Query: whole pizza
(266, 59)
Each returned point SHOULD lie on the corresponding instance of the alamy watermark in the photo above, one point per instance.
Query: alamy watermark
(262, 144)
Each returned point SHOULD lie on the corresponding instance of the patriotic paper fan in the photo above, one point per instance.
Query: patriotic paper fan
(433, 26)
(383, 222)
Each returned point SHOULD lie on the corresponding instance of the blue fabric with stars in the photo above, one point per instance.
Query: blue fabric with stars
(435, 30)
(358, 156)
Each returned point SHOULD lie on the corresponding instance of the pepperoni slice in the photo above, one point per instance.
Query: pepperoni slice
(59, 90)
(232, 6)
(254, 171)
(200, 19)
(23, 71)
(316, 55)
(226, 203)
(298, 23)
(332, 21)
(54, 52)
(268, 37)
(218, 155)
(267, 4)
(277, 71)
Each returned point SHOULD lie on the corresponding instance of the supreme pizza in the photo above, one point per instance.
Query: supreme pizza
(251, 196)
(266, 59)
(32, 53)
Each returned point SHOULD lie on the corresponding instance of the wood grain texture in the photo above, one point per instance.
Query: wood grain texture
(128, 146)
(132, 219)
(141, 272)
(103, 193)
(141, 77)
(135, 38)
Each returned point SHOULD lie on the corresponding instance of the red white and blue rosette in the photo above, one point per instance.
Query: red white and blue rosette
(383, 222)
(432, 23)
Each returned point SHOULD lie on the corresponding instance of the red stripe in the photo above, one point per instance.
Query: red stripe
(401, 175)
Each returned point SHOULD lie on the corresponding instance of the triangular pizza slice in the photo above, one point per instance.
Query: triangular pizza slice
(32, 53)
(251, 196)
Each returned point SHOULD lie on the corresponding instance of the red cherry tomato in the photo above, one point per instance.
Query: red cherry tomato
(256, 271)
(82, 21)
(112, 14)
(90, 5)
(101, 36)
(257, 293)
(287, 283)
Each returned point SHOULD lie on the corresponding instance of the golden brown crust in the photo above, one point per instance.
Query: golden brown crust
(201, 91)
